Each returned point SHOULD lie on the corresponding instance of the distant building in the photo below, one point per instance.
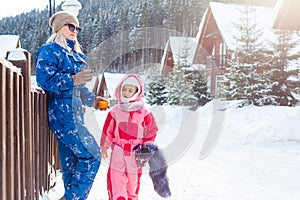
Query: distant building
(215, 42)
(288, 15)
(176, 49)
(106, 85)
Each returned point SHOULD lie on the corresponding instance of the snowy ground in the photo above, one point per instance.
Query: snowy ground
(256, 158)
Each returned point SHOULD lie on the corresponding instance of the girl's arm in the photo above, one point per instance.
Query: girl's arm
(107, 132)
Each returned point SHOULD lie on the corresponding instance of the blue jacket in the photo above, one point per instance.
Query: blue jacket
(55, 66)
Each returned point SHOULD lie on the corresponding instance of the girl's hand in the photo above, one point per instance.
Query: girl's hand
(104, 154)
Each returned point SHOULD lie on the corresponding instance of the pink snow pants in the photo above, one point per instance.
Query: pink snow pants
(123, 177)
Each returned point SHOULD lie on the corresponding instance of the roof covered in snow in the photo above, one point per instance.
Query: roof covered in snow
(288, 15)
(227, 16)
(112, 80)
(8, 42)
(183, 48)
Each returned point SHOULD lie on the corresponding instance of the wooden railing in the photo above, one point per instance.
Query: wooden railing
(28, 153)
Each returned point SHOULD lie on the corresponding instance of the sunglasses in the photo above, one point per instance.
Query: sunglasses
(72, 28)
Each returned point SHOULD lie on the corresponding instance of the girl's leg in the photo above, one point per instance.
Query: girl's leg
(116, 176)
(134, 175)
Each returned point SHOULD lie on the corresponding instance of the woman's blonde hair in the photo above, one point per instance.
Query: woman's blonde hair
(59, 38)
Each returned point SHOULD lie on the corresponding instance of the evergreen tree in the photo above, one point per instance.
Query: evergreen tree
(282, 56)
(197, 79)
(246, 74)
(180, 91)
(101, 19)
(156, 91)
(187, 83)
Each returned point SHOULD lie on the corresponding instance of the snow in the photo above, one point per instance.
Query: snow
(8, 42)
(112, 80)
(228, 15)
(256, 154)
(183, 46)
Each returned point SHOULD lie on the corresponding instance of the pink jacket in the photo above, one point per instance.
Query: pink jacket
(128, 124)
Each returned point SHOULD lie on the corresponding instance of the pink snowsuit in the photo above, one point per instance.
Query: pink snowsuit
(127, 125)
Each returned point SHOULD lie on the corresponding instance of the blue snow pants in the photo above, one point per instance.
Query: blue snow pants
(79, 152)
(79, 168)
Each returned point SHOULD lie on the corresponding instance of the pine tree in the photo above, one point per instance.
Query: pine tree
(197, 79)
(157, 92)
(282, 56)
(187, 84)
(245, 75)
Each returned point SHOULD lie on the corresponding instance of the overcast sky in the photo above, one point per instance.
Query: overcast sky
(15, 7)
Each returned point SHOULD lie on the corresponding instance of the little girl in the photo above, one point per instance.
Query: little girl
(127, 125)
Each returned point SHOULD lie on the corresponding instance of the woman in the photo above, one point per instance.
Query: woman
(61, 71)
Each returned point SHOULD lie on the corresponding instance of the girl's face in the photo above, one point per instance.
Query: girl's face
(70, 31)
(128, 91)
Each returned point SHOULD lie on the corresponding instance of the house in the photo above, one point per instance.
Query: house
(177, 49)
(216, 39)
(288, 15)
(106, 84)
(8, 43)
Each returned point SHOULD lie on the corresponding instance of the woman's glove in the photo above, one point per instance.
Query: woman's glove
(82, 77)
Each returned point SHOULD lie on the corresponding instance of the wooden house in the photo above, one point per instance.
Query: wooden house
(288, 15)
(216, 39)
(176, 50)
(106, 84)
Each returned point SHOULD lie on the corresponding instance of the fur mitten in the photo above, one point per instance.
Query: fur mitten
(158, 173)
(149, 152)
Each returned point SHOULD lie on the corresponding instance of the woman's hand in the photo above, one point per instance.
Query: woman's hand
(82, 77)
(97, 99)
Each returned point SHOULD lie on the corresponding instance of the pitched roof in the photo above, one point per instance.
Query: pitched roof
(112, 80)
(227, 16)
(288, 15)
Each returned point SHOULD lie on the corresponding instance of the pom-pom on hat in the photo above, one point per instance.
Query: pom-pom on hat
(61, 18)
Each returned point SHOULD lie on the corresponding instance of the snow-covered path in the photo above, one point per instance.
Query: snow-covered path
(257, 158)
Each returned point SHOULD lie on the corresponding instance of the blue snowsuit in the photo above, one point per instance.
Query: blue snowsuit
(79, 153)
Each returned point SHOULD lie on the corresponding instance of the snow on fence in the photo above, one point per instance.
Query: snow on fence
(28, 152)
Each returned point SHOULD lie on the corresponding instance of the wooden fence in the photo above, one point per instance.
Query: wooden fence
(28, 153)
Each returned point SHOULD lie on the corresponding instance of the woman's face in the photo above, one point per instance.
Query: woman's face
(70, 31)
(128, 91)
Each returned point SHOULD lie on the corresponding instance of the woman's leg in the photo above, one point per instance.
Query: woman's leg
(81, 160)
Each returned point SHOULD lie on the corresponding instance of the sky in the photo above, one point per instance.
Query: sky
(15, 7)
(256, 157)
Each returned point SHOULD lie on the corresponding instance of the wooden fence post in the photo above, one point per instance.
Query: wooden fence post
(25, 66)
(3, 132)
(10, 135)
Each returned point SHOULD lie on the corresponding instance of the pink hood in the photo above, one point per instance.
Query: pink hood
(140, 93)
